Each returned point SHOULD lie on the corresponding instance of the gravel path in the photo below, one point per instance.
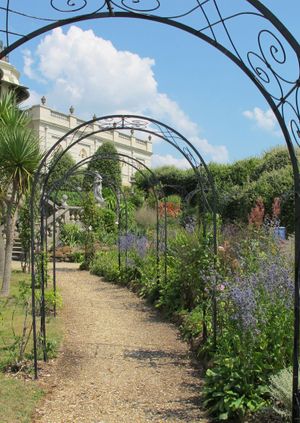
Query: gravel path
(120, 362)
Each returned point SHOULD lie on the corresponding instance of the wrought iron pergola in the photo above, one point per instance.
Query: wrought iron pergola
(270, 58)
(83, 131)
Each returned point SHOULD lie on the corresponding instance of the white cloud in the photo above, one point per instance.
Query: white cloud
(265, 120)
(34, 98)
(28, 66)
(169, 160)
(28, 62)
(88, 72)
(218, 154)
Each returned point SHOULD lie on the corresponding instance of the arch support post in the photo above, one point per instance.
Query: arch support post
(296, 393)
(43, 277)
(33, 305)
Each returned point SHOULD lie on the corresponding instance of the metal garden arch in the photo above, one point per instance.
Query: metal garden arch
(117, 157)
(158, 189)
(265, 63)
(54, 190)
(81, 132)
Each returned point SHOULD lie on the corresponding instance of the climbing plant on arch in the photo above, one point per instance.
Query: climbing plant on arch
(270, 60)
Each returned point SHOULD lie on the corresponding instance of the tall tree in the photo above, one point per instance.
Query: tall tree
(103, 164)
(61, 168)
(19, 158)
(2, 243)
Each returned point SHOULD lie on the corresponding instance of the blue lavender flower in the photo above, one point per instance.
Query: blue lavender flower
(248, 294)
(127, 241)
(141, 244)
(244, 301)
(131, 241)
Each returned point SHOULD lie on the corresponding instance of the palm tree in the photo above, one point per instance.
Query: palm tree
(19, 158)
(2, 244)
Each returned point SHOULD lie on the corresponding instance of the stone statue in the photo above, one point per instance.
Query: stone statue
(98, 189)
(64, 203)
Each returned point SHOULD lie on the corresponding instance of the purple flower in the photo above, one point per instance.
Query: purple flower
(253, 295)
(141, 245)
(127, 241)
(131, 241)
(244, 302)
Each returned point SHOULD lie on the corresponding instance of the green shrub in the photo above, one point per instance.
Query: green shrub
(77, 257)
(105, 264)
(137, 198)
(108, 168)
(233, 388)
(191, 326)
(71, 234)
(73, 197)
(52, 299)
(65, 163)
(107, 220)
(254, 310)
(280, 388)
(175, 199)
(188, 254)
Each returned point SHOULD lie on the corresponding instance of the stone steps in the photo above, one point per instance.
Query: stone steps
(18, 252)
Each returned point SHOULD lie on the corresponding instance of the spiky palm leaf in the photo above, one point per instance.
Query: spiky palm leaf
(10, 115)
(19, 156)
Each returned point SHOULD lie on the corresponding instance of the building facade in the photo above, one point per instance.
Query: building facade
(50, 125)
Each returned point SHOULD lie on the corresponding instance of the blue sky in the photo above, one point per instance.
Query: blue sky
(143, 67)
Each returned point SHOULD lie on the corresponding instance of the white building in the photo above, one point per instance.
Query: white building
(9, 80)
(51, 125)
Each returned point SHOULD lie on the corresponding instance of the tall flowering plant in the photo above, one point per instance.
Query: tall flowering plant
(172, 209)
(255, 310)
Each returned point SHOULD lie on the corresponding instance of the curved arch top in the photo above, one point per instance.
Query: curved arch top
(130, 123)
(270, 57)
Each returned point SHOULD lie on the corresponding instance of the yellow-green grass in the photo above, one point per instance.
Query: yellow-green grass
(17, 397)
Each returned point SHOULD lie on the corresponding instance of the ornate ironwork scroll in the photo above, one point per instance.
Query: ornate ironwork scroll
(269, 56)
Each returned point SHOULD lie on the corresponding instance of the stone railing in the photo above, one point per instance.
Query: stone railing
(63, 214)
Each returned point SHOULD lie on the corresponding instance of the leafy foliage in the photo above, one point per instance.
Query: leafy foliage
(105, 162)
(233, 388)
(70, 234)
(280, 389)
(251, 283)
(19, 158)
(61, 167)
(98, 219)
(238, 185)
